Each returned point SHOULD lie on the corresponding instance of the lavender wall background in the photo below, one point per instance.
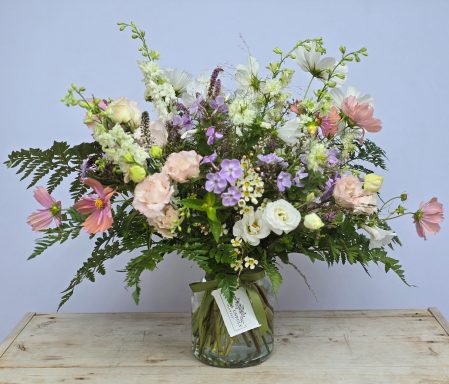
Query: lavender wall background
(46, 45)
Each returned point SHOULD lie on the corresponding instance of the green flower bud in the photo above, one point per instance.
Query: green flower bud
(404, 196)
(372, 182)
(156, 152)
(128, 158)
(137, 173)
(310, 197)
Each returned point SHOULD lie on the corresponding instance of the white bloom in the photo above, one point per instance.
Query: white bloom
(251, 228)
(199, 86)
(281, 216)
(242, 112)
(378, 237)
(291, 131)
(250, 262)
(245, 74)
(123, 111)
(237, 265)
(178, 80)
(188, 134)
(339, 96)
(272, 87)
(312, 221)
(320, 67)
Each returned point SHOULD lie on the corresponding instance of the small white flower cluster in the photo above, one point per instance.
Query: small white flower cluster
(251, 185)
(120, 148)
(158, 89)
(241, 111)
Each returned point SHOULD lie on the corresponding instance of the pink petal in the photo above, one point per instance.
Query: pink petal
(99, 221)
(95, 185)
(430, 227)
(86, 205)
(420, 230)
(43, 197)
(40, 220)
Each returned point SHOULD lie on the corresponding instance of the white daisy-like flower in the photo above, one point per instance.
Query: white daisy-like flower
(246, 75)
(250, 262)
(338, 96)
(379, 237)
(178, 79)
(237, 265)
(199, 86)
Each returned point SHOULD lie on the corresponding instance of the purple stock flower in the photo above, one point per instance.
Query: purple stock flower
(231, 197)
(329, 187)
(299, 176)
(212, 135)
(332, 156)
(209, 159)
(219, 104)
(184, 122)
(197, 107)
(231, 170)
(271, 158)
(215, 183)
(284, 181)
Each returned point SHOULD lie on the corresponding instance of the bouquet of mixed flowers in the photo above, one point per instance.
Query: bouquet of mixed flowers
(235, 178)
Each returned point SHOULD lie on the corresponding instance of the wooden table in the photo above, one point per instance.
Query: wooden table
(312, 347)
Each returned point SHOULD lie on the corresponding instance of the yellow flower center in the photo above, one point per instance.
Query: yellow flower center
(99, 203)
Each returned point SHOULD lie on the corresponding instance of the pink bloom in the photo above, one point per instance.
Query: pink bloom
(42, 218)
(428, 217)
(165, 221)
(361, 114)
(152, 195)
(97, 205)
(329, 123)
(349, 193)
(182, 166)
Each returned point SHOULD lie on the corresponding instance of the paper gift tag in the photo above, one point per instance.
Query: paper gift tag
(238, 317)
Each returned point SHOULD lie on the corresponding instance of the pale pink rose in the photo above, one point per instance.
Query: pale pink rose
(361, 114)
(122, 111)
(349, 193)
(152, 195)
(165, 221)
(182, 166)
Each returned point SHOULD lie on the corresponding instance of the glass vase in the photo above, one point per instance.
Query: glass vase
(211, 342)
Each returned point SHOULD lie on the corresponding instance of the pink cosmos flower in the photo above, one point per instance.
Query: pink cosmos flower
(329, 123)
(428, 217)
(97, 205)
(361, 114)
(42, 218)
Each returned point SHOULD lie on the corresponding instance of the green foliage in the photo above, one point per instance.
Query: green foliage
(369, 152)
(228, 285)
(273, 274)
(59, 161)
(140, 34)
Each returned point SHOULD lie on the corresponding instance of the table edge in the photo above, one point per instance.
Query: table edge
(15, 332)
(439, 317)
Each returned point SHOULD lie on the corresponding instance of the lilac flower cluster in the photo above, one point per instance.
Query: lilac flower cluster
(230, 171)
(284, 181)
(184, 122)
(301, 174)
(213, 135)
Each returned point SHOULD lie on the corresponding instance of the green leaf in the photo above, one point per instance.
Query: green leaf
(209, 199)
(195, 204)
(216, 228)
(273, 274)
(212, 214)
(228, 285)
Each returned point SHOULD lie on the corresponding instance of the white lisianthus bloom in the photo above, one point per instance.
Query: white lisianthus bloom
(378, 237)
(291, 131)
(246, 75)
(338, 96)
(320, 67)
(280, 216)
(178, 79)
(251, 228)
(313, 222)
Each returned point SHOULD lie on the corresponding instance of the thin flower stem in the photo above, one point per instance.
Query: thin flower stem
(308, 87)
(395, 217)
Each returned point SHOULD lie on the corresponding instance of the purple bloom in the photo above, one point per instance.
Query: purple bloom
(271, 158)
(215, 183)
(209, 159)
(284, 181)
(231, 170)
(197, 107)
(329, 187)
(299, 176)
(219, 104)
(183, 122)
(212, 135)
(329, 216)
(332, 157)
(231, 197)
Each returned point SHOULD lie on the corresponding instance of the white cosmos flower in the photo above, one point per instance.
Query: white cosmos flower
(320, 67)
(281, 216)
(291, 131)
(199, 86)
(251, 228)
(378, 237)
(178, 79)
(245, 74)
(339, 96)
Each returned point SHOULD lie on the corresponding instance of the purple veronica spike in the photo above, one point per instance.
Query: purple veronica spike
(284, 181)
(299, 176)
(215, 183)
(212, 135)
(209, 159)
(231, 170)
(231, 197)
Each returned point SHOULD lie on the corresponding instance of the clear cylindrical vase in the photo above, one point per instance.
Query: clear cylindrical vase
(211, 342)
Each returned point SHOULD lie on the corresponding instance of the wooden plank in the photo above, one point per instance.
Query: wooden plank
(440, 318)
(369, 347)
(15, 332)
